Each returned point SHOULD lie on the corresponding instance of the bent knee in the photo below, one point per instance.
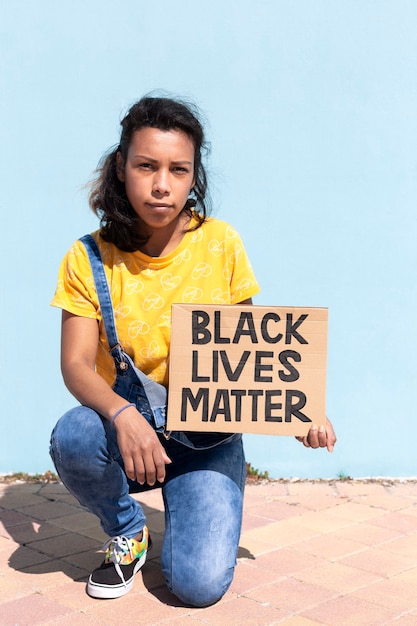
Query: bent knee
(76, 432)
(201, 591)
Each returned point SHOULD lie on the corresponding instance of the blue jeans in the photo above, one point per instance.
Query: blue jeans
(203, 496)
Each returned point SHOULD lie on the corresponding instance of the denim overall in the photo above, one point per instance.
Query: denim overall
(202, 492)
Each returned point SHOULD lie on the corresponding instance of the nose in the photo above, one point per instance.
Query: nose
(161, 182)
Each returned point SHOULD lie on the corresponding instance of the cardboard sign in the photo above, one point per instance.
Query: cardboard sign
(248, 369)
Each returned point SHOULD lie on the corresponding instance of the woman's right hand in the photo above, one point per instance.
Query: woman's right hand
(143, 455)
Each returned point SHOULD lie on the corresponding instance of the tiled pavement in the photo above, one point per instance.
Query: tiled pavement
(327, 552)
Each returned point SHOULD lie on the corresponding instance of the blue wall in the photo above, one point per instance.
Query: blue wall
(311, 110)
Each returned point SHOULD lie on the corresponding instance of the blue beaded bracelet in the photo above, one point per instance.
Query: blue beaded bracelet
(126, 406)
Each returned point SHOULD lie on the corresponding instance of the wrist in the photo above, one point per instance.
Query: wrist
(117, 413)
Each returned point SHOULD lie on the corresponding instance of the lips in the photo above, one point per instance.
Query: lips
(160, 206)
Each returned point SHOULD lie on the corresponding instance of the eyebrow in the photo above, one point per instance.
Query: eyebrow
(147, 158)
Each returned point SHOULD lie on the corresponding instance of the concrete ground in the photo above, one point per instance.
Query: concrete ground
(326, 552)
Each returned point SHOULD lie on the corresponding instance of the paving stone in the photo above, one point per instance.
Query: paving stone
(298, 620)
(239, 611)
(394, 594)
(79, 619)
(63, 545)
(406, 545)
(77, 521)
(367, 534)
(356, 512)
(16, 557)
(307, 488)
(47, 510)
(380, 562)
(277, 510)
(383, 501)
(291, 595)
(141, 609)
(249, 577)
(287, 561)
(11, 518)
(410, 619)
(338, 577)
(314, 501)
(31, 531)
(329, 546)
(323, 521)
(353, 489)
(350, 611)
(31, 611)
(398, 521)
(19, 500)
(284, 533)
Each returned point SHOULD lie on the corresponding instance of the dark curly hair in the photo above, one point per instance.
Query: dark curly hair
(119, 223)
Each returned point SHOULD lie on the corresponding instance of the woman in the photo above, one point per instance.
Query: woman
(150, 195)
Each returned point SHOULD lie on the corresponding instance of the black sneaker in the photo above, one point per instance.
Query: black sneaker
(124, 558)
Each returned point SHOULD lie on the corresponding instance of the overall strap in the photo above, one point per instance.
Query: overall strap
(103, 294)
(155, 393)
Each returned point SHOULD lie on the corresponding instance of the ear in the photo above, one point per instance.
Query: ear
(120, 168)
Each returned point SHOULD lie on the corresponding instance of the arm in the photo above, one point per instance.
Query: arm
(143, 455)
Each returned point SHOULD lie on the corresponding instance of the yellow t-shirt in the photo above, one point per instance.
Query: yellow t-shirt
(210, 266)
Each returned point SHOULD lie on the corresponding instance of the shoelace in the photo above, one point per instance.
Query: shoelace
(116, 548)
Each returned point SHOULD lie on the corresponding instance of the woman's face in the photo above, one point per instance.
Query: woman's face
(158, 175)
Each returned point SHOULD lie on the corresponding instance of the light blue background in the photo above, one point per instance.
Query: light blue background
(312, 114)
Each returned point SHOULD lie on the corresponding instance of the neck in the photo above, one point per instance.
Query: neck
(162, 242)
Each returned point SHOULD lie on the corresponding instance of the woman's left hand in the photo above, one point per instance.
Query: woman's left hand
(320, 437)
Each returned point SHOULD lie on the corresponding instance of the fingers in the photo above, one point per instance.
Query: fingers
(304, 441)
(150, 467)
(160, 466)
(147, 472)
(331, 437)
(320, 437)
(130, 469)
(317, 437)
(139, 470)
(314, 438)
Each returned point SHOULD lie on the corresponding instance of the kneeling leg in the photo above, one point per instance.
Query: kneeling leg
(203, 516)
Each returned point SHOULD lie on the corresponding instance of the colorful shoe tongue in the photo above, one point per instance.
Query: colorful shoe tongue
(121, 550)
(118, 549)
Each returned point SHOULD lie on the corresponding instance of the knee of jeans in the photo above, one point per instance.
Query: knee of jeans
(202, 589)
(202, 593)
(76, 436)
